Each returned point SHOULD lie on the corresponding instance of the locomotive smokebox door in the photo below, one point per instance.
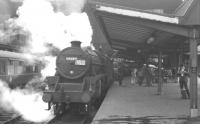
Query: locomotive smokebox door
(73, 62)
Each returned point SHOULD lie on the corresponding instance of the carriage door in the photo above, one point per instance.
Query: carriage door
(3, 69)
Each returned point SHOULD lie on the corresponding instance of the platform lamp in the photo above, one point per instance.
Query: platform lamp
(150, 40)
(139, 51)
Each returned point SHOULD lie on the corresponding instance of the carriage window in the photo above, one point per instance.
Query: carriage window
(11, 67)
(33, 68)
(36, 68)
(29, 69)
(11, 62)
(20, 63)
(18, 68)
(2, 67)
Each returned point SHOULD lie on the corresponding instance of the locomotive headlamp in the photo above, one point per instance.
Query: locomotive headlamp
(71, 72)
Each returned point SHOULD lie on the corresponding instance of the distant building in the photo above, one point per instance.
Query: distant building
(11, 37)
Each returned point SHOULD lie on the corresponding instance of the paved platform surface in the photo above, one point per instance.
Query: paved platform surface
(128, 104)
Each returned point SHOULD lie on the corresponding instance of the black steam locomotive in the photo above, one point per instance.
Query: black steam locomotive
(82, 79)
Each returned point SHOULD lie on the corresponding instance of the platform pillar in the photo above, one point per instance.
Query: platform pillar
(194, 37)
(159, 92)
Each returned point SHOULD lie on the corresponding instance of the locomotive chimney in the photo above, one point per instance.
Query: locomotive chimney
(75, 44)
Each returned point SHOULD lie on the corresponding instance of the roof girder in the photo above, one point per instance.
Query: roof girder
(167, 27)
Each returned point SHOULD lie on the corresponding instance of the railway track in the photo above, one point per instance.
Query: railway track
(67, 118)
(10, 118)
(73, 119)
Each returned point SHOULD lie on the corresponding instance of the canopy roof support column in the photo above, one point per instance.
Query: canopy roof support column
(194, 35)
(160, 74)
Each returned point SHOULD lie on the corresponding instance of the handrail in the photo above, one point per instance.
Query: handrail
(20, 74)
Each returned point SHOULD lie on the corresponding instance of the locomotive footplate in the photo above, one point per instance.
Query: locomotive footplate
(52, 96)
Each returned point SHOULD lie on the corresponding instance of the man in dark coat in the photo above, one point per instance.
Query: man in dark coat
(140, 75)
(120, 75)
(183, 80)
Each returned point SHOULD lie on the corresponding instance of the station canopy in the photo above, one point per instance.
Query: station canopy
(146, 26)
(137, 26)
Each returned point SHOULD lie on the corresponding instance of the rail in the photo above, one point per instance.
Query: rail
(10, 118)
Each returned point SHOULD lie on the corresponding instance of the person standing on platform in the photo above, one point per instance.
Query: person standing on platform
(133, 76)
(120, 75)
(183, 80)
(148, 76)
(140, 75)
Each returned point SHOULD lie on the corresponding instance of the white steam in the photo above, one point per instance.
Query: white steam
(26, 103)
(59, 28)
(48, 27)
(50, 66)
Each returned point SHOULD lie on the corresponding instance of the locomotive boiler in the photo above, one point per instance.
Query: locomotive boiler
(82, 79)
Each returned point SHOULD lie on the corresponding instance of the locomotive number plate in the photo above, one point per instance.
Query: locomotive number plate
(80, 62)
(71, 58)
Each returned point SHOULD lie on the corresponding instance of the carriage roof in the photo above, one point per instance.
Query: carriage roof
(14, 55)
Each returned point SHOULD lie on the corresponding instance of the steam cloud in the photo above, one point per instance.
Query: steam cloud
(49, 27)
(26, 103)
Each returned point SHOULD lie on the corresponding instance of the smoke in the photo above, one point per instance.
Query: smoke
(8, 31)
(50, 66)
(26, 103)
(49, 27)
(55, 22)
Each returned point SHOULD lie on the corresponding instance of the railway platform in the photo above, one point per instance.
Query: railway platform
(128, 104)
